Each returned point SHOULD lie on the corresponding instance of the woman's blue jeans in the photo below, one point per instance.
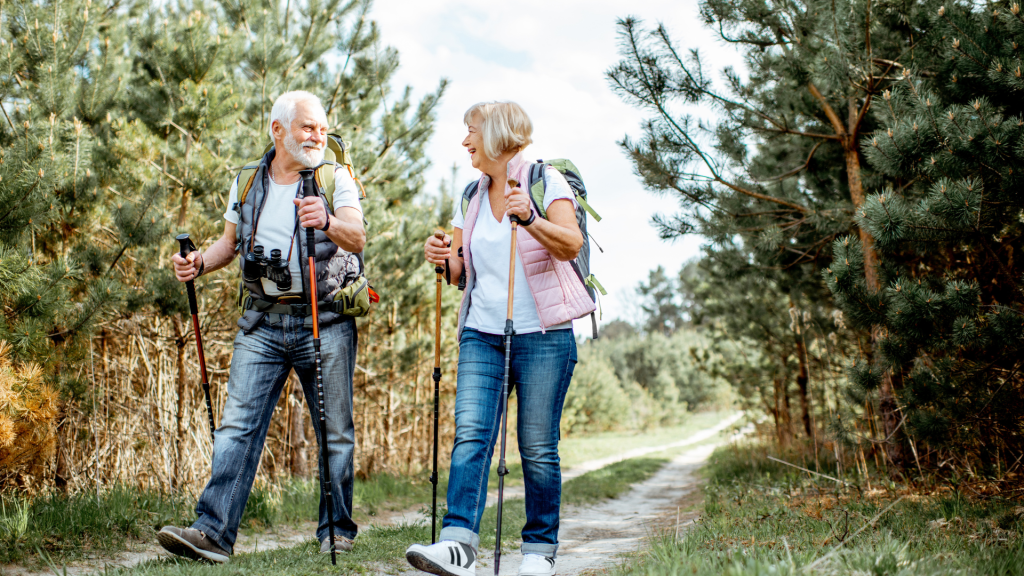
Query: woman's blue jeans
(542, 366)
(259, 368)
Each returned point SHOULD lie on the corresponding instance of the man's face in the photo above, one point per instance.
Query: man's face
(307, 137)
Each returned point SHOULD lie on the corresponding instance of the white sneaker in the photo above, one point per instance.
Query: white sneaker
(537, 565)
(446, 558)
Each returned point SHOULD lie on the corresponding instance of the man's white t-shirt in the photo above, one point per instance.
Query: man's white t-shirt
(277, 222)
(491, 245)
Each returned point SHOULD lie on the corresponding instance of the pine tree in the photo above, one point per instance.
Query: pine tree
(663, 315)
(780, 168)
(948, 228)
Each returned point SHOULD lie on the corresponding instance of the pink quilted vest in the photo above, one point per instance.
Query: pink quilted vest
(556, 289)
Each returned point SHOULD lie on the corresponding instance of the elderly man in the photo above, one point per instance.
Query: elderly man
(276, 328)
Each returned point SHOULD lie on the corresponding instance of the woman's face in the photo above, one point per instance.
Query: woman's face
(474, 142)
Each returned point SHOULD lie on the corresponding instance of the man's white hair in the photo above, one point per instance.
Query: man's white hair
(284, 108)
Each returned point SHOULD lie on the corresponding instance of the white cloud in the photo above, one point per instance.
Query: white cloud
(551, 58)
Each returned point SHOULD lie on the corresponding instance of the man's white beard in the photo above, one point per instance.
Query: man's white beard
(308, 156)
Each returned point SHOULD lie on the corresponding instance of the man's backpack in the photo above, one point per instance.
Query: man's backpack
(581, 265)
(336, 153)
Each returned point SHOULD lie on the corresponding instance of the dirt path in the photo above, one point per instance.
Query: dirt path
(595, 537)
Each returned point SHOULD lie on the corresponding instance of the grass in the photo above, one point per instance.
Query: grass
(68, 526)
(297, 500)
(760, 517)
(576, 450)
(610, 481)
(384, 547)
(65, 528)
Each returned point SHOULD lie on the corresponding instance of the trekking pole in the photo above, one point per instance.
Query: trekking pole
(308, 190)
(437, 391)
(187, 247)
(509, 332)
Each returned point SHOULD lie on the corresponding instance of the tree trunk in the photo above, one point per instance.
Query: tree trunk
(802, 375)
(781, 411)
(849, 135)
(801, 383)
(299, 442)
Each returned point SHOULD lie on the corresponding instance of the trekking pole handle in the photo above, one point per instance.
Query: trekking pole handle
(187, 247)
(309, 190)
(512, 183)
(439, 234)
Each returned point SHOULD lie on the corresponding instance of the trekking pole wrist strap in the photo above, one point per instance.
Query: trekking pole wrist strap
(202, 265)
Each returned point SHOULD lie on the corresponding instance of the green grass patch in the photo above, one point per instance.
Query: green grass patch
(578, 449)
(610, 481)
(297, 500)
(68, 526)
(760, 517)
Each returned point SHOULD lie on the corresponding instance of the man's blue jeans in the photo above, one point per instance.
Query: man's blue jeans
(542, 366)
(259, 369)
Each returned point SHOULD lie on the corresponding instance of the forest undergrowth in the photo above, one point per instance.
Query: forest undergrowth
(763, 516)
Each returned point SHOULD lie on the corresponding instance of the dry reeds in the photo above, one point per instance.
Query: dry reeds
(145, 422)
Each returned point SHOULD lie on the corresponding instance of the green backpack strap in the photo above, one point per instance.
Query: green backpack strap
(324, 177)
(245, 179)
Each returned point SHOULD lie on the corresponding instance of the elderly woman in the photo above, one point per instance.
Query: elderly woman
(547, 296)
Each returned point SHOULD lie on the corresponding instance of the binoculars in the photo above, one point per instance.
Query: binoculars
(256, 265)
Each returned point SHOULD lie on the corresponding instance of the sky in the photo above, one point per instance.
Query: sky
(550, 56)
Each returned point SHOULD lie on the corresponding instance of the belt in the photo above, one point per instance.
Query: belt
(283, 307)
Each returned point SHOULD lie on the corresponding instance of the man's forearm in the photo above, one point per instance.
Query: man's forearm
(219, 255)
(348, 235)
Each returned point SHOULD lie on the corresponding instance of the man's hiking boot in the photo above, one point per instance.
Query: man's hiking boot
(446, 558)
(537, 565)
(341, 544)
(191, 543)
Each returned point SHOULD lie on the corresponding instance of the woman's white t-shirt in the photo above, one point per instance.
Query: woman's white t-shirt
(491, 244)
(277, 221)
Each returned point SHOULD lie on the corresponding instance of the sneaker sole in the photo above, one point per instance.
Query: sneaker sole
(426, 564)
(180, 547)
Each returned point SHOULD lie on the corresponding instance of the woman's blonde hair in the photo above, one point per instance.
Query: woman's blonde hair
(505, 126)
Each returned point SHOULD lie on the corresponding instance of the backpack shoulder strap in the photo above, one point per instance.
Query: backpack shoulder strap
(245, 179)
(324, 177)
(468, 194)
(537, 187)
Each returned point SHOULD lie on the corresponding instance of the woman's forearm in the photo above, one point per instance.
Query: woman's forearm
(561, 242)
